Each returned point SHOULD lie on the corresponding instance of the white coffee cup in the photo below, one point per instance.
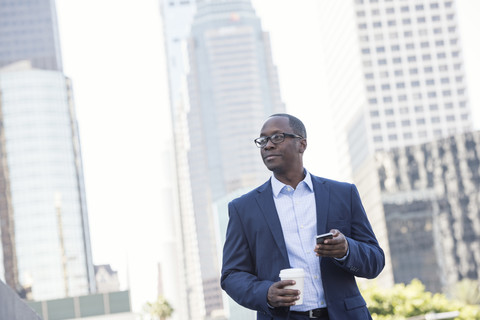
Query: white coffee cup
(296, 274)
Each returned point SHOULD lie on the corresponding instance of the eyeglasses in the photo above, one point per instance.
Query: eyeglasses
(275, 138)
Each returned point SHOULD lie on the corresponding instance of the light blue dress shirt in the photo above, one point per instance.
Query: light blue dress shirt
(297, 211)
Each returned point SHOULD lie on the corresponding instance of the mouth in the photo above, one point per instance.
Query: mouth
(270, 157)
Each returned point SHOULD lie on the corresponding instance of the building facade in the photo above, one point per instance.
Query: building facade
(431, 203)
(46, 252)
(29, 31)
(397, 78)
(233, 87)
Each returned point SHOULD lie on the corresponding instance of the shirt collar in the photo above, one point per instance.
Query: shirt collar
(277, 185)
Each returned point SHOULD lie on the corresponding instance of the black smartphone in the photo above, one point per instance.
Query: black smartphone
(321, 237)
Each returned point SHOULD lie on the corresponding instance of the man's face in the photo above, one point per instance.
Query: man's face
(284, 156)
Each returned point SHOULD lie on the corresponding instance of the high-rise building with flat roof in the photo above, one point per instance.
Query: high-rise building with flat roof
(397, 78)
(45, 252)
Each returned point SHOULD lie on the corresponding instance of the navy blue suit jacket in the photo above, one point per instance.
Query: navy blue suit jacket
(255, 251)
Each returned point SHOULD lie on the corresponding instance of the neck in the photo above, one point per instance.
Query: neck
(291, 178)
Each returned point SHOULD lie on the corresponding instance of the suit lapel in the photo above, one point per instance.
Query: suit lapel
(267, 206)
(322, 203)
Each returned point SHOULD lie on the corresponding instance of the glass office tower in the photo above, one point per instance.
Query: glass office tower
(29, 31)
(233, 86)
(44, 230)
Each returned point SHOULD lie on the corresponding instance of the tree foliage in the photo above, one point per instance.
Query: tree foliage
(405, 301)
(159, 309)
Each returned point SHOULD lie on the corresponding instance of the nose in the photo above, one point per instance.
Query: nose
(269, 145)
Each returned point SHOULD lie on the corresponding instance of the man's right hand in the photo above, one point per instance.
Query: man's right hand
(278, 296)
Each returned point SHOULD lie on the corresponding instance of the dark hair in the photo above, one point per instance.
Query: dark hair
(296, 124)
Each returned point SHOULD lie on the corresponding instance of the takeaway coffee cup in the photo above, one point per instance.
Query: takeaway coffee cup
(296, 274)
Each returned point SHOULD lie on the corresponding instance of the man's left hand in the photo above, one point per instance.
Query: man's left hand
(336, 247)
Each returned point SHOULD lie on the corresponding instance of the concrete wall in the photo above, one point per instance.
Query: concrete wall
(12, 307)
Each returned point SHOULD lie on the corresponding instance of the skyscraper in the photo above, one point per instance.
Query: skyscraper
(397, 79)
(46, 251)
(233, 87)
(29, 31)
(182, 285)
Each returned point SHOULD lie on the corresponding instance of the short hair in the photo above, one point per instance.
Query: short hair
(296, 124)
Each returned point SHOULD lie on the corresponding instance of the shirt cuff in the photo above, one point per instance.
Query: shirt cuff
(344, 257)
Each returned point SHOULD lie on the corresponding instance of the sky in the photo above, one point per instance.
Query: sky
(113, 52)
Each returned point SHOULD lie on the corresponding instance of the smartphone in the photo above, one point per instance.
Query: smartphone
(321, 237)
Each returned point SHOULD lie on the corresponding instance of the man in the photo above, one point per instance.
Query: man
(273, 227)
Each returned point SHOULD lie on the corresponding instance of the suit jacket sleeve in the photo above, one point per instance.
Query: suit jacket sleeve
(239, 277)
(366, 259)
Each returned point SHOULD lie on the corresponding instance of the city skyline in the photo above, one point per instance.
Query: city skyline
(106, 148)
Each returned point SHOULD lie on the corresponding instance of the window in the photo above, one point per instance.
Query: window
(417, 96)
(433, 107)
(420, 121)
(412, 59)
(443, 67)
(384, 74)
(445, 80)
(434, 5)
(432, 94)
(377, 24)
(446, 93)
(426, 57)
(370, 88)
(362, 26)
(415, 83)
(408, 34)
(436, 18)
(372, 101)
(369, 76)
(374, 113)
(418, 108)
(376, 126)
(407, 21)
(395, 47)
(424, 44)
(385, 86)
(400, 85)
(410, 46)
(391, 23)
(404, 110)
(405, 123)
(457, 66)
(404, 9)
(452, 29)
(407, 135)
(390, 10)
(365, 50)
(459, 79)
(439, 43)
(402, 97)
(392, 137)
(375, 12)
(398, 72)
(461, 91)
(441, 55)
(387, 99)
(389, 112)
(419, 7)
(428, 69)
(429, 82)
(450, 16)
(451, 118)
(435, 119)
(448, 105)
(421, 20)
(397, 60)
(390, 124)
(380, 49)
(437, 30)
(377, 139)
(455, 54)
(360, 13)
(413, 70)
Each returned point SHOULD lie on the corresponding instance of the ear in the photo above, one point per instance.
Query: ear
(303, 145)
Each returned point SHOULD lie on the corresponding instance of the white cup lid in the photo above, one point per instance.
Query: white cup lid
(292, 272)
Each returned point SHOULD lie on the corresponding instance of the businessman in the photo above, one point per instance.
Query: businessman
(273, 227)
